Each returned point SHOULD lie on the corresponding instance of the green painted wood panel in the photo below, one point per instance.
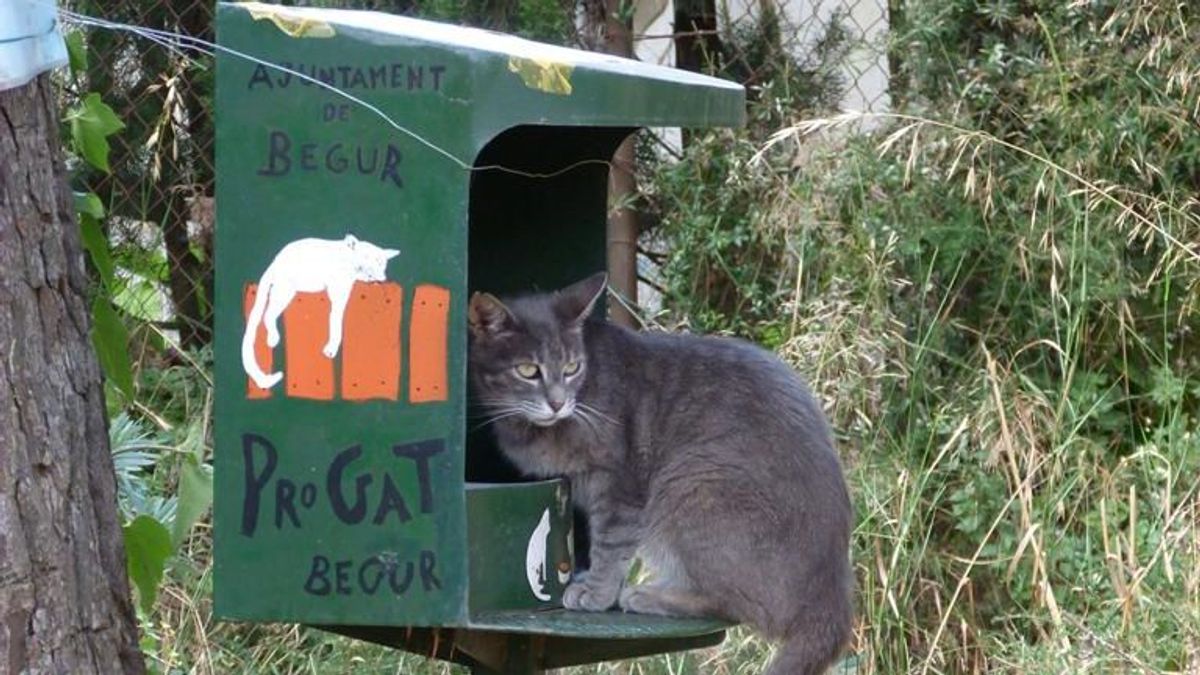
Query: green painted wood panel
(329, 508)
(520, 544)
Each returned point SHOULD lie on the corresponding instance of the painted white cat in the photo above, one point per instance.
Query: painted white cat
(310, 266)
(535, 558)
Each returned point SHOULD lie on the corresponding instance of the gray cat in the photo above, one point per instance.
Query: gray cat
(706, 457)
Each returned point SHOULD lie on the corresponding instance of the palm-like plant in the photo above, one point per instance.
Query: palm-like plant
(136, 450)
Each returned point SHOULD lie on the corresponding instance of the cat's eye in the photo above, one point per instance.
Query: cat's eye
(571, 368)
(528, 371)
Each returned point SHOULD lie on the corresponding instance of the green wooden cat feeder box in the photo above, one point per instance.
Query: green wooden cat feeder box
(352, 493)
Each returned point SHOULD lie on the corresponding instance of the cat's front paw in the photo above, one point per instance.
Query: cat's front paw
(589, 597)
(330, 351)
(272, 338)
(632, 599)
(647, 599)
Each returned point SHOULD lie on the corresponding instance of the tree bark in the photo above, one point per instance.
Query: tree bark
(623, 234)
(608, 28)
(65, 605)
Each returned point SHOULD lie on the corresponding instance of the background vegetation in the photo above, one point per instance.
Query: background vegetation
(993, 291)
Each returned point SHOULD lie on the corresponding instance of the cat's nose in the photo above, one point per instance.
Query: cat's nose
(556, 404)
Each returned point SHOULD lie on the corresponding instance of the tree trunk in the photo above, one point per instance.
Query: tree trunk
(623, 233)
(64, 597)
(608, 27)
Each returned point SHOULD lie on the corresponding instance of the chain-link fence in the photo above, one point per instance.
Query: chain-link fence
(159, 196)
(688, 33)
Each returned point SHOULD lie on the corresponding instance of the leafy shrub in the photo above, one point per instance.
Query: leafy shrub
(727, 256)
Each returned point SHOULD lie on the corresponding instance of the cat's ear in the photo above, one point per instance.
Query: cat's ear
(488, 317)
(351, 241)
(575, 302)
(389, 253)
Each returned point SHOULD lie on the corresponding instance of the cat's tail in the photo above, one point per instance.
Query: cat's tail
(249, 361)
(812, 649)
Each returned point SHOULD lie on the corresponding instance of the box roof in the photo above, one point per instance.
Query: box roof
(615, 91)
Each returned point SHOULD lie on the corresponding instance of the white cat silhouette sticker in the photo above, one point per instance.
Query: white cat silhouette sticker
(310, 266)
(535, 558)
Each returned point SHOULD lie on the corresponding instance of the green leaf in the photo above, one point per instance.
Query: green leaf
(90, 145)
(111, 340)
(97, 246)
(89, 203)
(97, 111)
(1167, 388)
(76, 52)
(92, 122)
(195, 496)
(147, 547)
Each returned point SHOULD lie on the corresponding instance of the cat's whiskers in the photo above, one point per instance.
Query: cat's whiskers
(486, 407)
(491, 401)
(501, 408)
(530, 409)
(590, 424)
(587, 419)
(597, 412)
(497, 417)
(498, 408)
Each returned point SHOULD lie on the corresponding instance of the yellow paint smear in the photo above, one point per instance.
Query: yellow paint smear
(551, 77)
(295, 26)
